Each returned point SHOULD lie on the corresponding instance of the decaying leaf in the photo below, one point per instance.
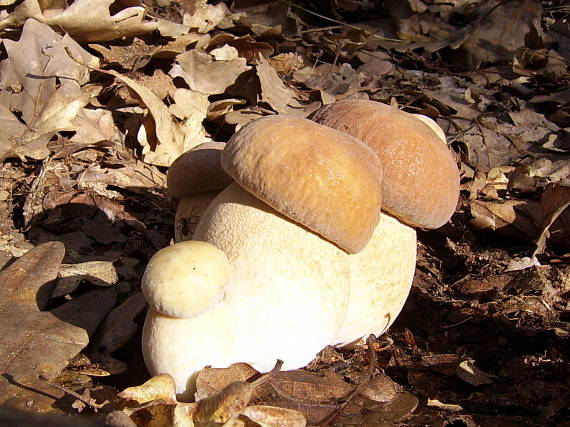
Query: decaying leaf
(335, 83)
(93, 126)
(191, 108)
(29, 87)
(469, 373)
(116, 330)
(210, 381)
(272, 416)
(100, 273)
(518, 219)
(28, 331)
(380, 388)
(160, 387)
(205, 17)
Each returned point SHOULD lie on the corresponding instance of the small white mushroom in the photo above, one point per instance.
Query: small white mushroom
(186, 279)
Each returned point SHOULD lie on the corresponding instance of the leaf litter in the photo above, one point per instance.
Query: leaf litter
(98, 98)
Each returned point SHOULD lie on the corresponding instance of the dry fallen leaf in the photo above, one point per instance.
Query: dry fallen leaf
(93, 125)
(471, 374)
(555, 218)
(28, 331)
(164, 141)
(206, 74)
(85, 20)
(29, 87)
(500, 32)
(159, 387)
(517, 219)
(99, 273)
(116, 330)
(274, 417)
(205, 17)
(210, 381)
(274, 92)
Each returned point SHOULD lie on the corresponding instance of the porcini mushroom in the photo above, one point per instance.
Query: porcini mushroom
(289, 289)
(287, 293)
(196, 177)
(313, 259)
(325, 180)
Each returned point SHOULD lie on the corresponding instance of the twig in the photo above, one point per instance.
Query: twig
(88, 401)
(372, 365)
(456, 324)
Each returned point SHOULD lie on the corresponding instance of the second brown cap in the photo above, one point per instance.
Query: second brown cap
(421, 178)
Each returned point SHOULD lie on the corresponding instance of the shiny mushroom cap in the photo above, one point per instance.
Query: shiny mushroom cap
(421, 178)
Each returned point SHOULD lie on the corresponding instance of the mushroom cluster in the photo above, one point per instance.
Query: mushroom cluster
(296, 254)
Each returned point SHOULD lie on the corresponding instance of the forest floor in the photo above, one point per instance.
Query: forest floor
(95, 103)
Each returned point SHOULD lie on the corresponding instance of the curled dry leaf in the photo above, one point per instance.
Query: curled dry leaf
(205, 17)
(85, 20)
(380, 388)
(334, 82)
(191, 108)
(272, 416)
(445, 406)
(555, 218)
(517, 219)
(210, 381)
(274, 92)
(224, 405)
(92, 126)
(499, 33)
(159, 387)
(311, 387)
(116, 330)
(246, 46)
(205, 74)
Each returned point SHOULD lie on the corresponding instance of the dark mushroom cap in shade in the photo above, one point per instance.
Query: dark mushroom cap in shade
(198, 169)
(421, 178)
(323, 179)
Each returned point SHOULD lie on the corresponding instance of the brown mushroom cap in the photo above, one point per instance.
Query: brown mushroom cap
(198, 169)
(326, 180)
(421, 178)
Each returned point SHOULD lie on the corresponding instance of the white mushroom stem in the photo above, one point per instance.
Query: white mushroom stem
(182, 347)
(289, 289)
(380, 280)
